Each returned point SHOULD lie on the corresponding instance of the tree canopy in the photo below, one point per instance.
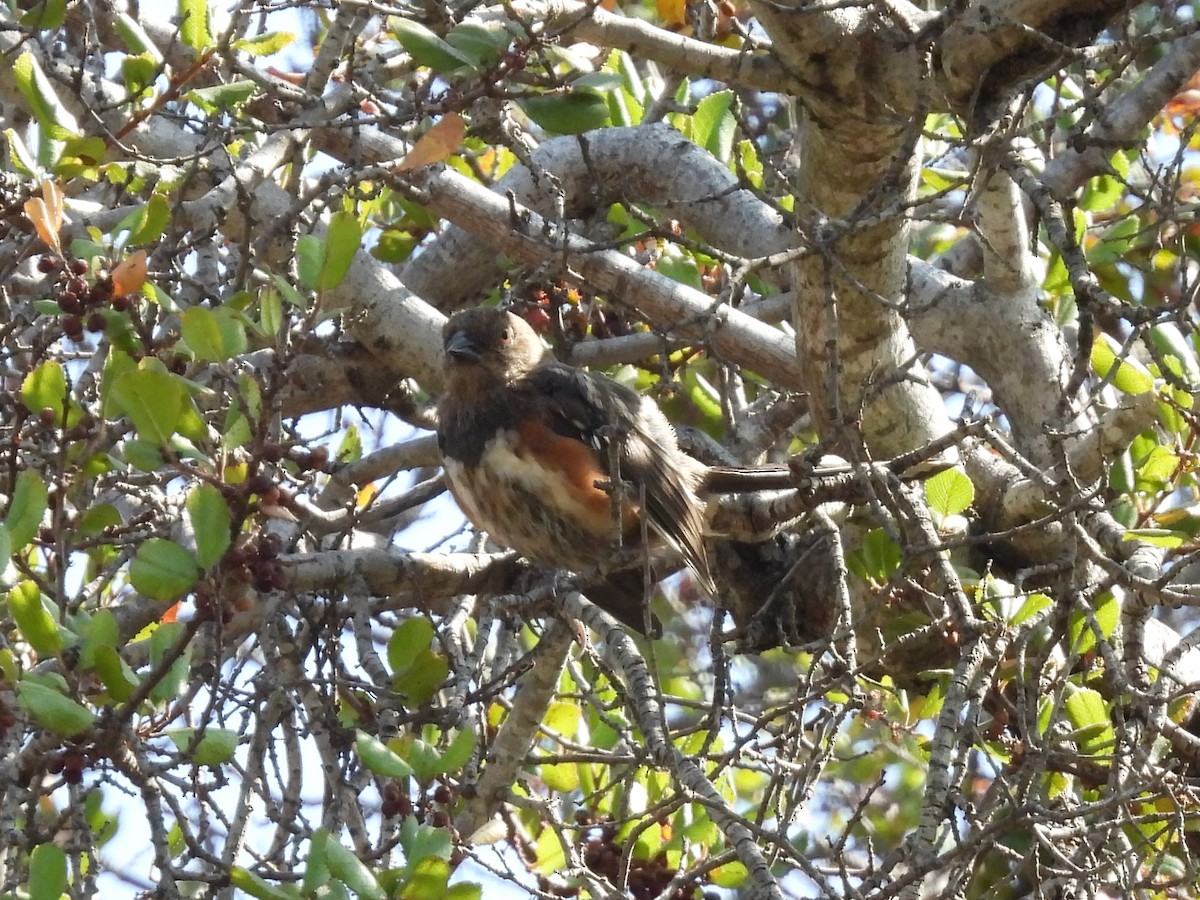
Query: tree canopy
(941, 263)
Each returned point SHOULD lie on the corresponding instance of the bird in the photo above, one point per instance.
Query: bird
(561, 464)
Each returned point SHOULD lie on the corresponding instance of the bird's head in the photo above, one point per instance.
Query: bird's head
(485, 342)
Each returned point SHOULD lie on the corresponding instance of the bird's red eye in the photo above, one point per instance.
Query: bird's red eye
(506, 335)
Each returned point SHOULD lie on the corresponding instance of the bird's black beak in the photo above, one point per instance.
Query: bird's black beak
(460, 347)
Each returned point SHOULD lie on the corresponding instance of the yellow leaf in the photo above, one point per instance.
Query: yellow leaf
(366, 495)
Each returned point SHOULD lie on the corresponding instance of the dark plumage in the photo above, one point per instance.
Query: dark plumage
(528, 445)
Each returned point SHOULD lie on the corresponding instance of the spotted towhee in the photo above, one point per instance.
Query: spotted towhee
(560, 464)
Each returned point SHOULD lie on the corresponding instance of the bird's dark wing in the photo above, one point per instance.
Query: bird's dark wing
(607, 416)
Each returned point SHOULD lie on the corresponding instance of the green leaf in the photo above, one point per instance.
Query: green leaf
(465, 890)
(428, 880)
(316, 870)
(152, 221)
(713, 125)
(348, 868)
(138, 73)
(33, 620)
(310, 259)
(134, 37)
(47, 872)
(162, 570)
(265, 44)
(22, 161)
(213, 334)
(1171, 343)
(572, 113)
(26, 508)
(1086, 711)
(193, 29)
(341, 244)
(1130, 375)
(101, 631)
(482, 44)
(46, 16)
(211, 521)
(563, 777)
(425, 676)
(270, 312)
(6, 545)
(424, 760)
(154, 402)
(288, 293)
(379, 759)
(550, 855)
(249, 883)
(1106, 611)
(216, 746)
(351, 448)
(46, 388)
(162, 641)
(1158, 537)
(427, 49)
(410, 638)
(563, 717)
(51, 115)
(119, 678)
(52, 710)
(96, 518)
(222, 97)
(730, 875)
(459, 752)
(1033, 605)
(949, 492)
(876, 559)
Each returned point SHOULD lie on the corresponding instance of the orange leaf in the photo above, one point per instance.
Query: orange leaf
(436, 144)
(46, 213)
(172, 613)
(130, 274)
(671, 12)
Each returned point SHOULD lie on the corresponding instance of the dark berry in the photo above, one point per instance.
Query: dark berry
(77, 285)
(78, 267)
(259, 483)
(48, 264)
(442, 794)
(122, 303)
(47, 415)
(96, 322)
(68, 302)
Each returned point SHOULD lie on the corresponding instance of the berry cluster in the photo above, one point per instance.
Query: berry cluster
(645, 878)
(257, 562)
(80, 302)
(430, 806)
(70, 764)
